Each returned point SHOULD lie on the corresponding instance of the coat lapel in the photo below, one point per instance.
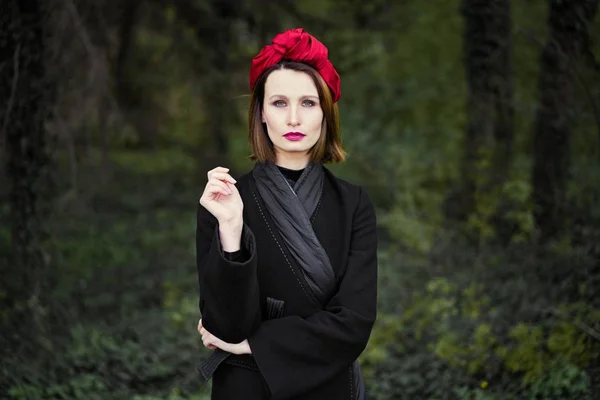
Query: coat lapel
(279, 276)
(276, 264)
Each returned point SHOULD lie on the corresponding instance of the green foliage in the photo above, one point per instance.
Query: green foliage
(457, 327)
(127, 294)
(563, 380)
(382, 340)
(517, 192)
(477, 394)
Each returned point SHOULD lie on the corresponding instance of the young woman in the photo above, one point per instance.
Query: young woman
(287, 254)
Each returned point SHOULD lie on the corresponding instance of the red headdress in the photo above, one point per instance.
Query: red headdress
(297, 45)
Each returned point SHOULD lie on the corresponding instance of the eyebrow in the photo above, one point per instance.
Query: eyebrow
(306, 96)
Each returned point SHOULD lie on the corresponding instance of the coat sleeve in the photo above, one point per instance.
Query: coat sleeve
(296, 355)
(229, 294)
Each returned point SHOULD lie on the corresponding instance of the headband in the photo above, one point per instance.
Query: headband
(299, 46)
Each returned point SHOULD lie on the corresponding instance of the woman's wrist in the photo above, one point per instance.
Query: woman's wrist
(231, 234)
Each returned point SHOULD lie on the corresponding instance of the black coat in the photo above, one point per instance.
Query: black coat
(307, 352)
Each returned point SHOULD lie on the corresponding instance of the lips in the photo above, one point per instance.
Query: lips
(294, 136)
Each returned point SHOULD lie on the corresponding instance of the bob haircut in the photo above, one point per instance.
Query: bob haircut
(328, 148)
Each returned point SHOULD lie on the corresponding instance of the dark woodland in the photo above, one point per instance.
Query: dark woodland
(473, 124)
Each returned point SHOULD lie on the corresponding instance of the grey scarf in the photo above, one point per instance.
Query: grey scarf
(291, 209)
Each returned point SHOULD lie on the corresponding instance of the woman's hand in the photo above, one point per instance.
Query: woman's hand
(221, 198)
(212, 342)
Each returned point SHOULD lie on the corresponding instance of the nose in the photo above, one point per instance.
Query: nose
(293, 116)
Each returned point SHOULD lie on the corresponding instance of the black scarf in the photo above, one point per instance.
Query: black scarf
(291, 209)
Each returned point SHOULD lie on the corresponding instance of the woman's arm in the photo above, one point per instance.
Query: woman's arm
(296, 355)
(229, 294)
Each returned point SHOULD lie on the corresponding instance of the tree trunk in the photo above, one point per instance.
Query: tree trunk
(25, 92)
(219, 96)
(567, 22)
(128, 96)
(490, 111)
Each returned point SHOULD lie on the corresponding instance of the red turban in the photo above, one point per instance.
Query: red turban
(297, 45)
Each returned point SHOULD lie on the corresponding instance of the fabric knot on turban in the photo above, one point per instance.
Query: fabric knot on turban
(297, 45)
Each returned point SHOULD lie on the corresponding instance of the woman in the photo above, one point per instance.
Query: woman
(287, 255)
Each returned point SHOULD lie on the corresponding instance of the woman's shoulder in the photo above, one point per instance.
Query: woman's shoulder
(357, 198)
(355, 193)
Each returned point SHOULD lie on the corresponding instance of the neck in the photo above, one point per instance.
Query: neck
(292, 161)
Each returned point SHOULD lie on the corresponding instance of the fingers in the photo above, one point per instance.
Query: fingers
(207, 338)
(217, 186)
(218, 169)
(221, 174)
(210, 341)
(201, 329)
(219, 183)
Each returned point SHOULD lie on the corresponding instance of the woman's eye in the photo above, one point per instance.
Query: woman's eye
(279, 103)
(308, 103)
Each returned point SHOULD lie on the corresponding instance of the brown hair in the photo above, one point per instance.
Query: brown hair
(328, 148)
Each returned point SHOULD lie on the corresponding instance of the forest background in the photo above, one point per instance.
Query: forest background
(474, 125)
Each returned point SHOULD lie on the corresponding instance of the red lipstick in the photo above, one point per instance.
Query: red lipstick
(294, 136)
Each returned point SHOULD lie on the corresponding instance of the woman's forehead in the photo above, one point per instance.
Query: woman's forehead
(290, 83)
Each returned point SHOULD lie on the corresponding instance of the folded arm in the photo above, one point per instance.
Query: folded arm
(229, 293)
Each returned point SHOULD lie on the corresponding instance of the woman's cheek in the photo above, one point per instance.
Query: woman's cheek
(318, 124)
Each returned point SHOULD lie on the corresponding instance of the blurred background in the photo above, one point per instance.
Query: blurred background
(474, 125)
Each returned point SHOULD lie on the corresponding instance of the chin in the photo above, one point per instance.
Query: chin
(301, 151)
(294, 148)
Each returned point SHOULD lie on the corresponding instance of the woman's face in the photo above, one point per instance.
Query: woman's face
(292, 113)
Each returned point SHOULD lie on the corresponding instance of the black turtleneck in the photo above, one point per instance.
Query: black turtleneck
(291, 174)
